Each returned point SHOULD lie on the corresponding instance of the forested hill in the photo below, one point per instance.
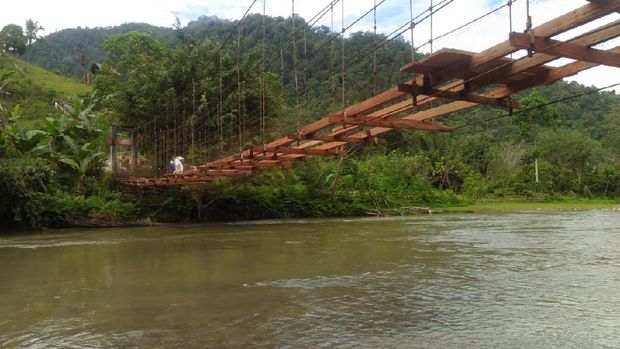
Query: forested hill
(61, 51)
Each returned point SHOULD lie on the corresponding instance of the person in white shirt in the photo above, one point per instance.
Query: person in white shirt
(178, 165)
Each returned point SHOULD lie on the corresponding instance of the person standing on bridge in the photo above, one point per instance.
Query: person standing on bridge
(178, 165)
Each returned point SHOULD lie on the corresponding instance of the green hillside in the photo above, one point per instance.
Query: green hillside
(34, 88)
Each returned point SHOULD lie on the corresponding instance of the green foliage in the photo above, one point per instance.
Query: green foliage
(536, 113)
(26, 184)
(42, 168)
(12, 39)
(136, 78)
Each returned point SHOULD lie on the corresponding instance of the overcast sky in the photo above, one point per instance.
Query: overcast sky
(55, 15)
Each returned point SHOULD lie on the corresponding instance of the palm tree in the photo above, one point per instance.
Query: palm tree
(32, 28)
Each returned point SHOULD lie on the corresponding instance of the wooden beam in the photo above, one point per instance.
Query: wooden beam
(302, 151)
(565, 49)
(330, 138)
(231, 172)
(252, 163)
(393, 123)
(555, 75)
(463, 95)
(338, 137)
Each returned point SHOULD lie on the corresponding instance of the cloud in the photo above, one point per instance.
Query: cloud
(391, 14)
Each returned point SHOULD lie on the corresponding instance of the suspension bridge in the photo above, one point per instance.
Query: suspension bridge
(445, 81)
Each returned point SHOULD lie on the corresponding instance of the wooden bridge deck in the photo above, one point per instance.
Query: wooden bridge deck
(446, 74)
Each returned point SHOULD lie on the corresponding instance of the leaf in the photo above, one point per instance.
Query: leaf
(70, 162)
(71, 143)
(86, 162)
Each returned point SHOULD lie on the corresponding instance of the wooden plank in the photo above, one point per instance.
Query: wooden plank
(232, 172)
(463, 96)
(565, 49)
(373, 140)
(252, 164)
(394, 123)
(555, 75)
(339, 137)
(439, 60)
(303, 151)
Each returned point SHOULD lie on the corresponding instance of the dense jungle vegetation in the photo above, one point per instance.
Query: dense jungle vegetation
(54, 129)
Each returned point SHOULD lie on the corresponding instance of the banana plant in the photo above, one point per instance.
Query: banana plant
(85, 118)
(81, 159)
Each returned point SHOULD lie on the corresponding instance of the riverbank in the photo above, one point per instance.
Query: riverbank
(511, 206)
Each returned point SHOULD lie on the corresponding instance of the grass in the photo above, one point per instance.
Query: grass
(512, 206)
(36, 89)
(41, 77)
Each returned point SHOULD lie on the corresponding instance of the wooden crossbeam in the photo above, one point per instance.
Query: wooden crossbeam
(392, 123)
(301, 151)
(462, 95)
(330, 138)
(337, 137)
(565, 49)
(231, 172)
(555, 75)
(235, 164)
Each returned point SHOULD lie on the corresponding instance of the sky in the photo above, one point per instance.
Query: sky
(391, 14)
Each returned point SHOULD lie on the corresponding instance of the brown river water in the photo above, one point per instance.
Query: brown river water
(541, 279)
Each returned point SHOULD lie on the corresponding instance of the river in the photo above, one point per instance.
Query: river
(518, 280)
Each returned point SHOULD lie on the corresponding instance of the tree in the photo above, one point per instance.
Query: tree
(535, 113)
(12, 39)
(135, 77)
(32, 28)
(505, 161)
(612, 138)
(571, 151)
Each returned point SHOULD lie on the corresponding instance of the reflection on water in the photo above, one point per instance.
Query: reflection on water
(514, 280)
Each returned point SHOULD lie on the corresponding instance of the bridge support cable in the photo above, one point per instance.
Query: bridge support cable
(332, 55)
(528, 26)
(262, 79)
(239, 117)
(220, 117)
(374, 45)
(432, 11)
(305, 58)
(342, 72)
(294, 56)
